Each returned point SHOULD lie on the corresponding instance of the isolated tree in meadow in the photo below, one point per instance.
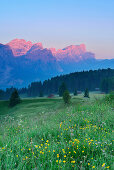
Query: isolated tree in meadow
(75, 93)
(62, 89)
(66, 97)
(14, 99)
(41, 94)
(86, 93)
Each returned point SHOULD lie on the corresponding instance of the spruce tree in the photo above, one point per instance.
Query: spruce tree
(41, 94)
(14, 99)
(86, 93)
(62, 89)
(66, 97)
(75, 93)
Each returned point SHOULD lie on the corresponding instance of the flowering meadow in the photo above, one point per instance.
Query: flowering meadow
(46, 134)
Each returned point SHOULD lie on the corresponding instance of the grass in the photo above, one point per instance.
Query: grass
(46, 134)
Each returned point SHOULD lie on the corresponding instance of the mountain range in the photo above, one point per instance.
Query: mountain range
(22, 62)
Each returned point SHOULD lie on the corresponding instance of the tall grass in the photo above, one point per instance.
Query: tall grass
(48, 135)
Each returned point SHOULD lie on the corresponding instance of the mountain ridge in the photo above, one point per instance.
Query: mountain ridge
(22, 62)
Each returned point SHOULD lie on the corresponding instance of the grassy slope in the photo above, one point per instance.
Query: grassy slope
(46, 134)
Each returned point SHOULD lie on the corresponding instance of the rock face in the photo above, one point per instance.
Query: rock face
(22, 62)
(74, 52)
(20, 46)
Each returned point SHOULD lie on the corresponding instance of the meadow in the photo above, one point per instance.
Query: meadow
(44, 133)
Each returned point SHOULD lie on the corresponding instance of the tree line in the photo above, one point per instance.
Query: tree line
(102, 79)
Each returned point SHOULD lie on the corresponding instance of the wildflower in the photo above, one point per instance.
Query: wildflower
(64, 156)
(88, 163)
(47, 141)
(57, 155)
(73, 162)
(108, 167)
(53, 150)
(36, 146)
(82, 151)
(64, 161)
(17, 156)
(57, 161)
(29, 149)
(103, 164)
(60, 124)
(93, 166)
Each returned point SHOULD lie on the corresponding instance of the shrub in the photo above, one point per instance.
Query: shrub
(66, 97)
(14, 99)
(110, 97)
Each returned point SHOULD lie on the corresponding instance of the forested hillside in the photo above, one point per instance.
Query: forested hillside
(78, 80)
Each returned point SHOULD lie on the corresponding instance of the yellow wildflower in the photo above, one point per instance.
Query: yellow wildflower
(57, 155)
(103, 164)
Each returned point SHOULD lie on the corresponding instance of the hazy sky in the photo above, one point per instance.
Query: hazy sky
(58, 23)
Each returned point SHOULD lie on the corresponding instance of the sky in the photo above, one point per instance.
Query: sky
(59, 23)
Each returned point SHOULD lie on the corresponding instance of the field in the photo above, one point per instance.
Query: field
(44, 133)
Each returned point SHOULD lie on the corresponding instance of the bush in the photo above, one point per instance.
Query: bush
(66, 97)
(86, 93)
(14, 99)
(110, 97)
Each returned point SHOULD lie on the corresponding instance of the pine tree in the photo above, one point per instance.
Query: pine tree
(86, 93)
(66, 97)
(62, 89)
(75, 93)
(14, 99)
